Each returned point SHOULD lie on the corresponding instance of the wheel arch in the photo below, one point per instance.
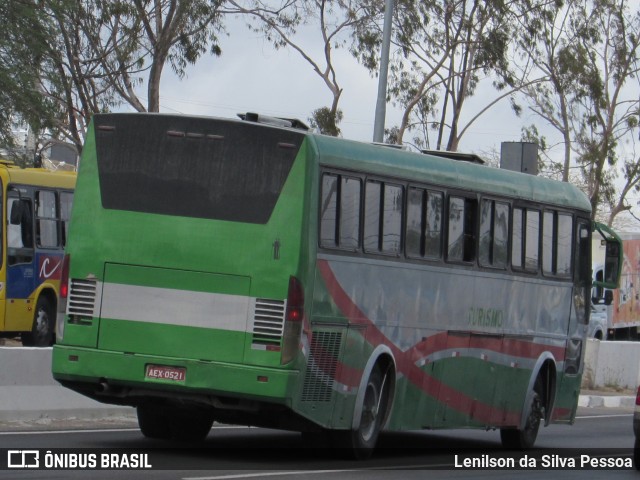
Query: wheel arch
(48, 292)
(382, 356)
(545, 369)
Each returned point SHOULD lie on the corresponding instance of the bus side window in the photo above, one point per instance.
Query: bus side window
(66, 200)
(46, 219)
(340, 212)
(349, 208)
(494, 228)
(525, 239)
(461, 238)
(20, 231)
(329, 211)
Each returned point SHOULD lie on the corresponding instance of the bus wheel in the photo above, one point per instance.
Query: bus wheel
(169, 423)
(41, 334)
(153, 422)
(362, 441)
(517, 439)
(190, 425)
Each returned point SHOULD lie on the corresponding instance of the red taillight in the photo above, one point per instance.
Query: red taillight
(293, 321)
(64, 277)
(295, 301)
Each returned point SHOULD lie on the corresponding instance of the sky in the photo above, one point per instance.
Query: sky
(251, 76)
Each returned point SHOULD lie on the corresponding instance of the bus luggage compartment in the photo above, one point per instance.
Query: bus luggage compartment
(174, 313)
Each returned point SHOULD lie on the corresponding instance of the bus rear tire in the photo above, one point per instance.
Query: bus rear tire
(191, 425)
(172, 423)
(41, 334)
(361, 442)
(153, 422)
(523, 439)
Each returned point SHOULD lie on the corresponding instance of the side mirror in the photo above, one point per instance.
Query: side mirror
(613, 257)
(608, 297)
(15, 217)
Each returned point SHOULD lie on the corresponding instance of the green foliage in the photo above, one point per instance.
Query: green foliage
(20, 51)
(326, 121)
(61, 61)
(443, 51)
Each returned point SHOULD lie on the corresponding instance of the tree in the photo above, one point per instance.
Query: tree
(549, 40)
(326, 121)
(443, 51)
(588, 52)
(338, 21)
(19, 46)
(610, 112)
(87, 56)
(174, 31)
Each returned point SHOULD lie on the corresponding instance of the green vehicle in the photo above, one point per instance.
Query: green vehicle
(260, 274)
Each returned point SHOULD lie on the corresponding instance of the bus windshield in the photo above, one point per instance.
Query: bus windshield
(193, 167)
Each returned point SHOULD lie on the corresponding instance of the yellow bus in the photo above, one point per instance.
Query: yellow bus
(36, 204)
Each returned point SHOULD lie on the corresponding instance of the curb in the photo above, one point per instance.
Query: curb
(608, 401)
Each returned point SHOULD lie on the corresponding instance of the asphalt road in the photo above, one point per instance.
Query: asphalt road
(248, 453)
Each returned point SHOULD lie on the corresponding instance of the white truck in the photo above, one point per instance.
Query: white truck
(615, 314)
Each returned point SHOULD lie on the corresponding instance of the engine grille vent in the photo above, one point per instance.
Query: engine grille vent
(268, 323)
(321, 366)
(82, 300)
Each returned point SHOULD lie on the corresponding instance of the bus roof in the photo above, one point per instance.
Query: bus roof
(38, 176)
(444, 172)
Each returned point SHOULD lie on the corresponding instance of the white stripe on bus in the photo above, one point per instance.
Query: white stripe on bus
(175, 307)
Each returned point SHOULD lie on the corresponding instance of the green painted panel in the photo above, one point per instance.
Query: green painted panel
(176, 279)
(171, 341)
(81, 335)
(88, 365)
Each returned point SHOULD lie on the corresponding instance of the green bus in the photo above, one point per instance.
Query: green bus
(260, 274)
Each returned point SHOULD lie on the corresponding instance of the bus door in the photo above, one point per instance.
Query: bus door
(20, 261)
(581, 300)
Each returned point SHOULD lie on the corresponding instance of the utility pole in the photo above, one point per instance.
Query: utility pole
(381, 104)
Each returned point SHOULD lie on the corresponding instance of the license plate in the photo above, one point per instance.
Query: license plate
(164, 372)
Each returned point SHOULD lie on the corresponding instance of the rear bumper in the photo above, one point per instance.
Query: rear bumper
(119, 378)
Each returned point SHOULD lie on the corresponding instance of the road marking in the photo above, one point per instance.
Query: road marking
(315, 472)
(102, 430)
(267, 474)
(47, 432)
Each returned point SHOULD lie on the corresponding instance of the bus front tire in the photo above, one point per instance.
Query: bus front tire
(41, 334)
(522, 439)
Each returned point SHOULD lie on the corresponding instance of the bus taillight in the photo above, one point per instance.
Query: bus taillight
(293, 320)
(64, 277)
(295, 301)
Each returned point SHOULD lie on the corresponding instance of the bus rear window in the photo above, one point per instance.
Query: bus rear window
(192, 167)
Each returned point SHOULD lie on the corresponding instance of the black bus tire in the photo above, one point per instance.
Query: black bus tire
(190, 426)
(41, 334)
(153, 422)
(360, 443)
(522, 439)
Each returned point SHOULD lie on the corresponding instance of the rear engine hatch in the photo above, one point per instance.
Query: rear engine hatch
(174, 313)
